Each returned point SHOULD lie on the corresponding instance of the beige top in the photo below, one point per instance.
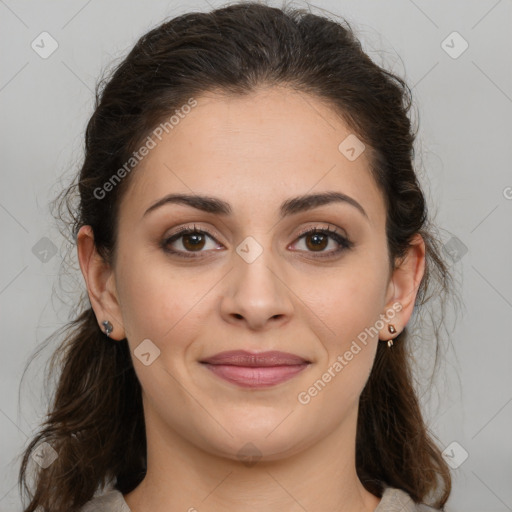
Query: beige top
(393, 500)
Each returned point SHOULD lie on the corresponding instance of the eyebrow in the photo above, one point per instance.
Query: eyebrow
(289, 207)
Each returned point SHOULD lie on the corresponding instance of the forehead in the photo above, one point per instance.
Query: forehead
(255, 150)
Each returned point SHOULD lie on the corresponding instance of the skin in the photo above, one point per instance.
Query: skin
(253, 152)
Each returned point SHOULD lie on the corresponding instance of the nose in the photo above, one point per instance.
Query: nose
(256, 296)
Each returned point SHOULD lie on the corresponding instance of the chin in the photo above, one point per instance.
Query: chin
(257, 442)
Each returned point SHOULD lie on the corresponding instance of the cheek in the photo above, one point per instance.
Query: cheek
(152, 300)
(350, 301)
(350, 343)
(349, 306)
(162, 303)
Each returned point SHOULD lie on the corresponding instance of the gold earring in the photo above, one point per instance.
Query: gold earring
(392, 330)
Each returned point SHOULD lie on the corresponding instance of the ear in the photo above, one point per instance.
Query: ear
(100, 281)
(403, 287)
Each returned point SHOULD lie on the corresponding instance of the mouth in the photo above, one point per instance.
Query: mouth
(255, 370)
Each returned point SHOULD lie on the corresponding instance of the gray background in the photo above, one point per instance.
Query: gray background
(464, 103)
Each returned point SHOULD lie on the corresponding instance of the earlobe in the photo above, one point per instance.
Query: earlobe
(404, 283)
(99, 279)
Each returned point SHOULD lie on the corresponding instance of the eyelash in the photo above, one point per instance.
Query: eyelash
(344, 242)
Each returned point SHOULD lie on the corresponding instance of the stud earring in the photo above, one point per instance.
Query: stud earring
(107, 327)
(392, 330)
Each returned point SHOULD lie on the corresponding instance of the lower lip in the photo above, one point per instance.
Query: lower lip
(256, 377)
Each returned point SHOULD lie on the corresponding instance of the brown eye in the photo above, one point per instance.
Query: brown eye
(192, 240)
(317, 240)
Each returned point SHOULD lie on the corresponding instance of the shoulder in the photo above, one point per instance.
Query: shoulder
(397, 500)
(111, 501)
(393, 500)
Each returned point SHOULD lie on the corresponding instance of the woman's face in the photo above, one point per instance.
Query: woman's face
(248, 280)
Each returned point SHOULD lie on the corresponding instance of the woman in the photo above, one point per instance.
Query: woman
(254, 241)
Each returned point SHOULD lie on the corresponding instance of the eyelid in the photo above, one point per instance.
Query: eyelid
(213, 234)
(328, 229)
(192, 227)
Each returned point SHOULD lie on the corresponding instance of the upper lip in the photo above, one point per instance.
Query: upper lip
(256, 359)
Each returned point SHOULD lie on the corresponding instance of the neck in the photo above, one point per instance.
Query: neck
(320, 477)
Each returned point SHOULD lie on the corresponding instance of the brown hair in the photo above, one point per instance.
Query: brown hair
(95, 421)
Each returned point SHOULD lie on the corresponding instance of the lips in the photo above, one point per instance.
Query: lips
(259, 359)
(255, 370)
